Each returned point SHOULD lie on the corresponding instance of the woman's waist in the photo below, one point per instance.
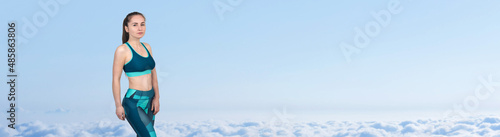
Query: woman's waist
(140, 83)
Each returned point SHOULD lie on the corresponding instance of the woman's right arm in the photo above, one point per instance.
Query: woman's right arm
(118, 63)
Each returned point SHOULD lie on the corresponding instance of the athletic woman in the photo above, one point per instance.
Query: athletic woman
(141, 102)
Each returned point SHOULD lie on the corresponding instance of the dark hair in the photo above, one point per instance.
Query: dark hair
(125, 23)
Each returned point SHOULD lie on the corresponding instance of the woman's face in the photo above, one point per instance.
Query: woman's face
(136, 26)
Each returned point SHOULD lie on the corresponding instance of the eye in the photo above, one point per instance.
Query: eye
(134, 25)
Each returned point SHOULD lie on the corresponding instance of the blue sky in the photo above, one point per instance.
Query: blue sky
(264, 55)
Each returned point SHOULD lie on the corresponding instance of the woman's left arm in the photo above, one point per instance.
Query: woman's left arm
(154, 79)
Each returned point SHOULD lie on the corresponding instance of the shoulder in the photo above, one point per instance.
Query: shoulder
(121, 49)
(147, 45)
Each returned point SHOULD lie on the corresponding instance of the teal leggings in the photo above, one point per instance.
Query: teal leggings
(137, 106)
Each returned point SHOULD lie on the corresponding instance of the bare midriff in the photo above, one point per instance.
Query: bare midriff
(142, 83)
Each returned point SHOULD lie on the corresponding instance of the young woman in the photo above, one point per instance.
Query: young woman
(141, 102)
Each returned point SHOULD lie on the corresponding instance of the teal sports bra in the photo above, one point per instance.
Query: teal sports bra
(138, 65)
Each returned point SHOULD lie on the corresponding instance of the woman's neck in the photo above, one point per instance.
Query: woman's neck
(134, 42)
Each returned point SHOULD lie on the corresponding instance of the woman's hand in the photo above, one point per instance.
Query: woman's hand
(155, 105)
(120, 113)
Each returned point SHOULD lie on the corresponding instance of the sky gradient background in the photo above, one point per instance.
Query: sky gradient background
(262, 57)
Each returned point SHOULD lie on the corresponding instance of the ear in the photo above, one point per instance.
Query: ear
(126, 29)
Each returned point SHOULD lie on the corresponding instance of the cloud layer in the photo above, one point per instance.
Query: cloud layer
(478, 126)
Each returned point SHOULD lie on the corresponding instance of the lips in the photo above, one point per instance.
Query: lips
(140, 33)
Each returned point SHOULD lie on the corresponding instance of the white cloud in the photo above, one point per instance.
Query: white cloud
(58, 110)
(478, 126)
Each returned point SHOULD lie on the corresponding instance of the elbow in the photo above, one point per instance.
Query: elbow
(116, 80)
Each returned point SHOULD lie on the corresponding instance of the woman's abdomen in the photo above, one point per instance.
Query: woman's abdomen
(143, 82)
